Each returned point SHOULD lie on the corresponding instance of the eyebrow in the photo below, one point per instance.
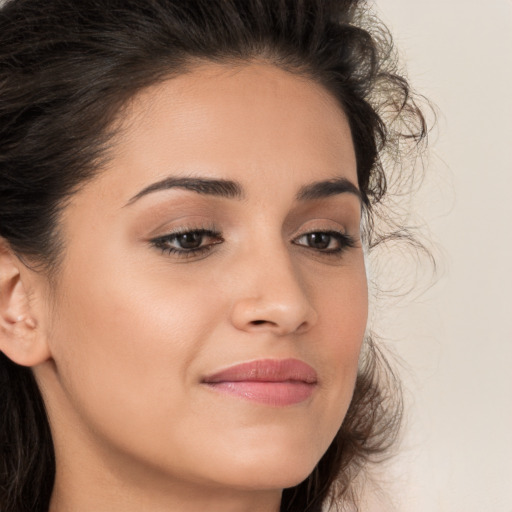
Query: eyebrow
(207, 186)
(328, 188)
(233, 190)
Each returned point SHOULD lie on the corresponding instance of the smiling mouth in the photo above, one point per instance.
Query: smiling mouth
(273, 382)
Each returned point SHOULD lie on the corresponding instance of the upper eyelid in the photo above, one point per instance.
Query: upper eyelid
(179, 230)
(343, 237)
(160, 243)
(214, 231)
(174, 234)
(330, 228)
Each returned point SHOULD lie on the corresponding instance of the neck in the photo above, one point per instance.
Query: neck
(103, 491)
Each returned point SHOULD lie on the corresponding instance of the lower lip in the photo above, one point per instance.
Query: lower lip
(269, 393)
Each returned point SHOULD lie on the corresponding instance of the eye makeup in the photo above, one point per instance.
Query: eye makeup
(187, 242)
(187, 226)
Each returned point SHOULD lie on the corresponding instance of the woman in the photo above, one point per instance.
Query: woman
(182, 275)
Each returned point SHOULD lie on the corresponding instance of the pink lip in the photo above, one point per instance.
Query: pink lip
(277, 382)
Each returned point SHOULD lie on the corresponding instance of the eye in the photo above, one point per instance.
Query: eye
(191, 240)
(188, 243)
(325, 241)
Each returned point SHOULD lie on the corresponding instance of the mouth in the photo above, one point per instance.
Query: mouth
(275, 382)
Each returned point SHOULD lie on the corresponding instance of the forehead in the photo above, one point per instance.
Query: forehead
(251, 123)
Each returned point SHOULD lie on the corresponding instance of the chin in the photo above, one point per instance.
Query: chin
(269, 469)
(269, 477)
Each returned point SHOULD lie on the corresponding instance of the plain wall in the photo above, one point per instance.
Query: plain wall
(456, 339)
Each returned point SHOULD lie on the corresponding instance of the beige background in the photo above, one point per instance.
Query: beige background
(456, 340)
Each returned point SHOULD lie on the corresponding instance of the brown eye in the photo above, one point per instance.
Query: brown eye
(188, 243)
(318, 240)
(191, 240)
(329, 242)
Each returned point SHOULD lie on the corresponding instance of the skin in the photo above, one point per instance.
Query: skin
(120, 344)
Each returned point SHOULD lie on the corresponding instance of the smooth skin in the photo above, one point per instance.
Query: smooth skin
(136, 319)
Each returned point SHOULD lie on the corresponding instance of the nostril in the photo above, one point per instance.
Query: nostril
(258, 322)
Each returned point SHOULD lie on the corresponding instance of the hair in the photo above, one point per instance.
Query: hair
(67, 69)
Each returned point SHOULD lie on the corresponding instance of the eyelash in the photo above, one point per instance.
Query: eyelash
(162, 242)
(344, 242)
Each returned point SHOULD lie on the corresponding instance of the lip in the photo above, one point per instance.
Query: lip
(277, 382)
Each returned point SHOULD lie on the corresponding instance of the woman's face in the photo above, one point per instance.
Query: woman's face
(223, 231)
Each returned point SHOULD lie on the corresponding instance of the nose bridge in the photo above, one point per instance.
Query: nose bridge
(272, 294)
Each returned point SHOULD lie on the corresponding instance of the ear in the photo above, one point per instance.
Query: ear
(20, 338)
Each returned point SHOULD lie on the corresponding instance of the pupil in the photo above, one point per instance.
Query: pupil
(319, 240)
(190, 240)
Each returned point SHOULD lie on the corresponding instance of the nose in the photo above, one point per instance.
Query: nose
(272, 296)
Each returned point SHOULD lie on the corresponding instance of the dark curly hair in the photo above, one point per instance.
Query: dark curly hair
(67, 68)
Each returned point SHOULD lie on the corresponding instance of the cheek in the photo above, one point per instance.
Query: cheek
(343, 312)
(123, 344)
(343, 319)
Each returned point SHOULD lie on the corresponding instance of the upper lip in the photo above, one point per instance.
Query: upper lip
(266, 370)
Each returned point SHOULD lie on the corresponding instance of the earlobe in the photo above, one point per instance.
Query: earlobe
(20, 337)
